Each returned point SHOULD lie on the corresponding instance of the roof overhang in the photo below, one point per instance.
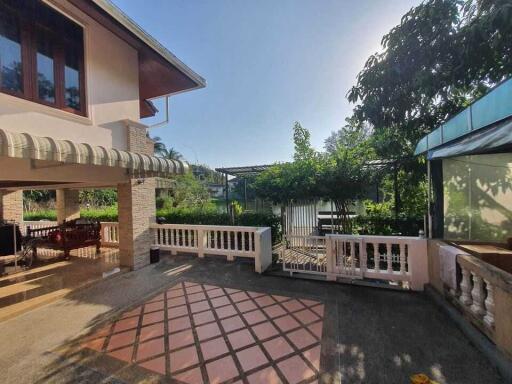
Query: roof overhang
(494, 107)
(161, 73)
(26, 146)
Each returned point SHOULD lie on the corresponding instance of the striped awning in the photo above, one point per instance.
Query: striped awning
(26, 146)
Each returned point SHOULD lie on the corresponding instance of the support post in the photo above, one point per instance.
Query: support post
(68, 205)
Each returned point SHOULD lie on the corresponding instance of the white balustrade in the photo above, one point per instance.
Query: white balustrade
(229, 241)
(109, 234)
(465, 288)
(477, 296)
(489, 305)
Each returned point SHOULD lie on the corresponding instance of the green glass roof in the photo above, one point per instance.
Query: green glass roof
(489, 109)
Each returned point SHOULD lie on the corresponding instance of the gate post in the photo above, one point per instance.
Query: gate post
(330, 255)
(418, 264)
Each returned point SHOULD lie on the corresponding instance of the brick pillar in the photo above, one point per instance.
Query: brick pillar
(11, 206)
(68, 205)
(136, 207)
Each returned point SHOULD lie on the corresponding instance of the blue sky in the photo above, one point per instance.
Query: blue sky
(267, 63)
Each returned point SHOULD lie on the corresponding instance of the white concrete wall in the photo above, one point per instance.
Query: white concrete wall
(112, 93)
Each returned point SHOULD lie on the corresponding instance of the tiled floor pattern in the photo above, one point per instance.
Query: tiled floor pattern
(207, 334)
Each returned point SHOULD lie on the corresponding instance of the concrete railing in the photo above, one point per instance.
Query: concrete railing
(387, 258)
(229, 241)
(484, 294)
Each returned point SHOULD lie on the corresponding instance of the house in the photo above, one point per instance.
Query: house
(76, 77)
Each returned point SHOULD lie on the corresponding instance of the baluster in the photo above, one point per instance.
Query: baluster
(363, 255)
(465, 287)
(478, 296)
(243, 241)
(489, 305)
(376, 257)
(402, 258)
(155, 236)
(389, 257)
(250, 242)
(216, 239)
(229, 240)
(236, 241)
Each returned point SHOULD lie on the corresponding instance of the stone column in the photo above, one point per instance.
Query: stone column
(11, 206)
(68, 205)
(136, 207)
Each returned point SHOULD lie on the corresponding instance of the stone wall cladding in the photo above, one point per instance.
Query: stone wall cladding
(137, 139)
(68, 204)
(136, 207)
(11, 206)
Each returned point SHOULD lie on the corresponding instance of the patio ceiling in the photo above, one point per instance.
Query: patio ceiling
(26, 146)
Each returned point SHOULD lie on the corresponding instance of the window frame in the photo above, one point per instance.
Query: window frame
(28, 27)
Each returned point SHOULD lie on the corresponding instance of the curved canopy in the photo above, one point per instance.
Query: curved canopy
(26, 146)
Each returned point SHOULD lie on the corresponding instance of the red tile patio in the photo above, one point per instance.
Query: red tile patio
(197, 333)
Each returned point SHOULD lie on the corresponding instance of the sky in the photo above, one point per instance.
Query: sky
(267, 63)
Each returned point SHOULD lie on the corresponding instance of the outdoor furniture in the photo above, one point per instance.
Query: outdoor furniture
(70, 235)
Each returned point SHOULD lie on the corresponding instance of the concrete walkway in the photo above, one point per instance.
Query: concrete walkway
(369, 335)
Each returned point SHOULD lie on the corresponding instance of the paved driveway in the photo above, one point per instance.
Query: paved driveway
(191, 320)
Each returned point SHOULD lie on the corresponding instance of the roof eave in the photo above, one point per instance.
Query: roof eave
(118, 15)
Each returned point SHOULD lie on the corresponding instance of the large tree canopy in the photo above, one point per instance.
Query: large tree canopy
(443, 54)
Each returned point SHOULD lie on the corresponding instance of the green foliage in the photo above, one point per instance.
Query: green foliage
(443, 54)
(43, 214)
(101, 214)
(189, 192)
(98, 197)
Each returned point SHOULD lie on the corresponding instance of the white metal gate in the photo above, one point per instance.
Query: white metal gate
(349, 256)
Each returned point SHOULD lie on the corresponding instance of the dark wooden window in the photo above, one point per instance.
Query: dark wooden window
(41, 55)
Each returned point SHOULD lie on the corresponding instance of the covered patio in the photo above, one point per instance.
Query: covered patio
(156, 326)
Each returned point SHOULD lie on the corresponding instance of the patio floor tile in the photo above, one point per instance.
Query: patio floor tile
(192, 376)
(306, 316)
(265, 376)
(175, 293)
(133, 312)
(313, 356)
(183, 358)
(150, 348)
(124, 354)
(286, 323)
(151, 331)
(121, 339)
(295, 370)
(153, 317)
(301, 338)
(316, 329)
(177, 312)
(232, 323)
(220, 301)
(125, 324)
(278, 347)
(221, 370)
(174, 302)
(254, 317)
(265, 330)
(226, 311)
(245, 306)
(95, 345)
(179, 324)
(214, 348)
(252, 357)
(199, 306)
(319, 310)
(208, 330)
(156, 365)
(239, 296)
(274, 311)
(203, 317)
(293, 305)
(215, 293)
(226, 327)
(196, 297)
(264, 301)
(240, 339)
(181, 339)
(152, 307)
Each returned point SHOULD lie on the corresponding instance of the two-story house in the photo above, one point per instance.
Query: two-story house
(76, 76)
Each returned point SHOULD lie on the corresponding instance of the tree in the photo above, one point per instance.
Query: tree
(160, 148)
(443, 54)
(173, 154)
